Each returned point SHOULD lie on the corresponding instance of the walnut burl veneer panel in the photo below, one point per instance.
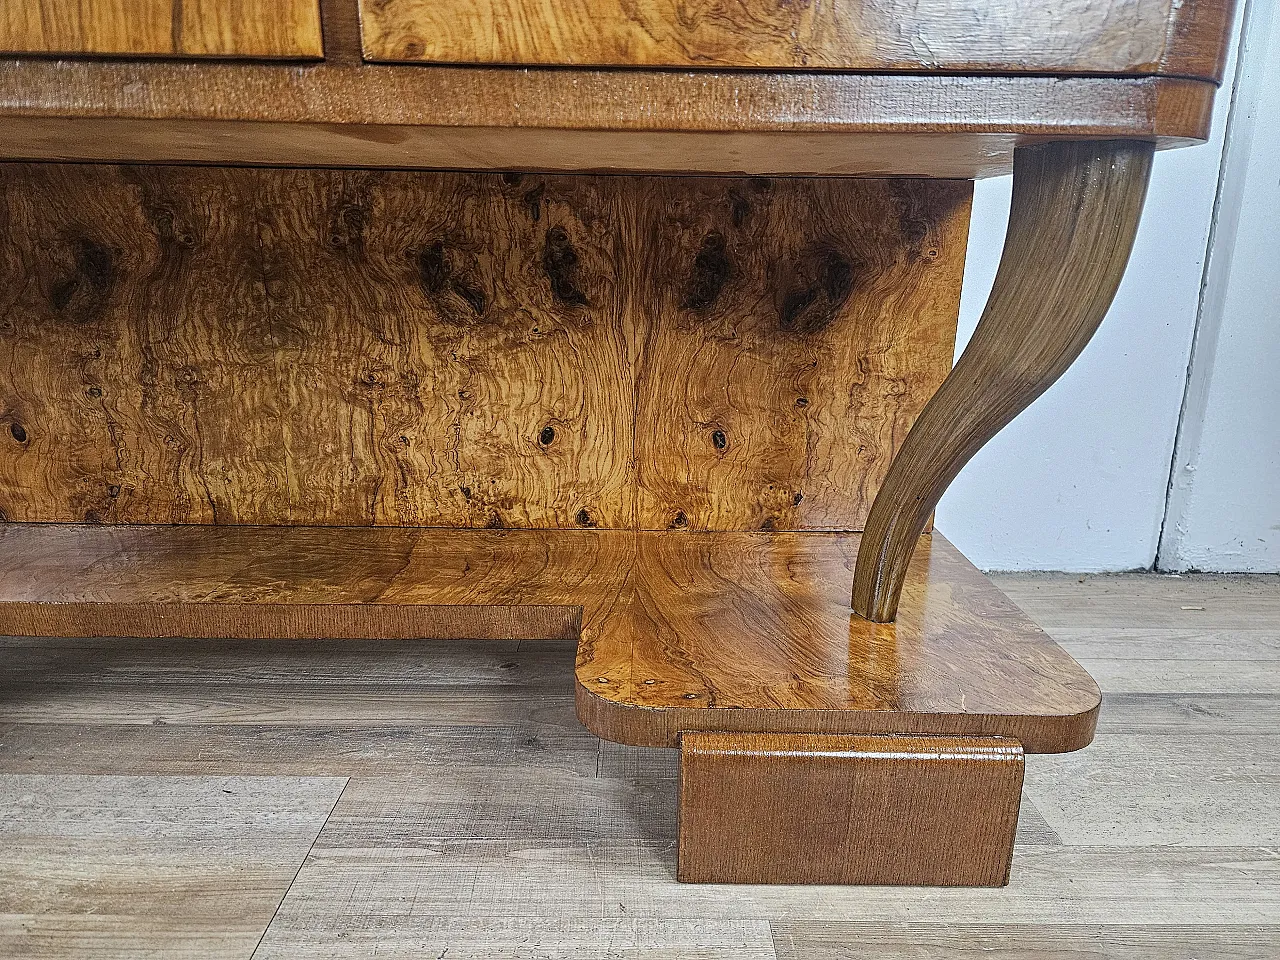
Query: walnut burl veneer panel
(184, 28)
(244, 346)
(997, 36)
(679, 631)
(806, 808)
(228, 346)
(790, 328)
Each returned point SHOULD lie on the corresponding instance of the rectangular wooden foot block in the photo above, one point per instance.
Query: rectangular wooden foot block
(816, 808)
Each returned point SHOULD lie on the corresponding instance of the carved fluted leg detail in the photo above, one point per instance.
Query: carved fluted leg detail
(1075, 211)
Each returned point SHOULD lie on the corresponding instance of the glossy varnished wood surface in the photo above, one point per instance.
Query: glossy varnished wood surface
(813, 808)
(339, 114)
(1072, 223)
(296, 582)
(1002, 36)
(679, 631)
(196, 345)
(186, 28)
(717, 623)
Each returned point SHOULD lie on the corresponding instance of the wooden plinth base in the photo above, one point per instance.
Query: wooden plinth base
(916, 811)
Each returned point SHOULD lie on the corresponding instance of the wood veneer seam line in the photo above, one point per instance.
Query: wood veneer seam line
(308, 61)
(373, 530)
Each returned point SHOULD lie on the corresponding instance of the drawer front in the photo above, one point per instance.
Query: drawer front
(1107, 36)
(163, 28)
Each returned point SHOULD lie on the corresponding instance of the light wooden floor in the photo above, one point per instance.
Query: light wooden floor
(399, 800)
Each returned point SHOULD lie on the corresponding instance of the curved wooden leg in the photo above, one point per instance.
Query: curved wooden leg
(1075, 211)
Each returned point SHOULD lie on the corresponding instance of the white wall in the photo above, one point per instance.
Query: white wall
(1080, 480)
(1224, 504)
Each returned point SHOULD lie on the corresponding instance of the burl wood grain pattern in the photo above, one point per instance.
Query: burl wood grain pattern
(1078, 36)
(753, 632)
(186, 28)
(678, 631)
(221, 346)
(805, 808)
(1072, 223)
(776, 379)
(328, 347)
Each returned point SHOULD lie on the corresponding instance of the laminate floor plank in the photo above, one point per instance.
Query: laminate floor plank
(1178, 713)
(922, 941)
(1180, 676)
(1132, 790)
(636, 878)
(480, 663)
(129, 867)
(355, 702)
(517, 938)
(128, 681)
(396, 750)
(549, 806)
(1212, 602)
(1154, 643)
(1141, 660)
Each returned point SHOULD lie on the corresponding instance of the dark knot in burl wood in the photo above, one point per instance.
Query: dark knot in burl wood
(828, 278)
(560, 261)
(81, 296)
(437, 275)
(711, 269)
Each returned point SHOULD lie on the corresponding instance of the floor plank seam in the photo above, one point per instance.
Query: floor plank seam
(301, 863)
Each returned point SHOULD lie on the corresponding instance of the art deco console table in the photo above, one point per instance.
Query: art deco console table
(666, 370)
